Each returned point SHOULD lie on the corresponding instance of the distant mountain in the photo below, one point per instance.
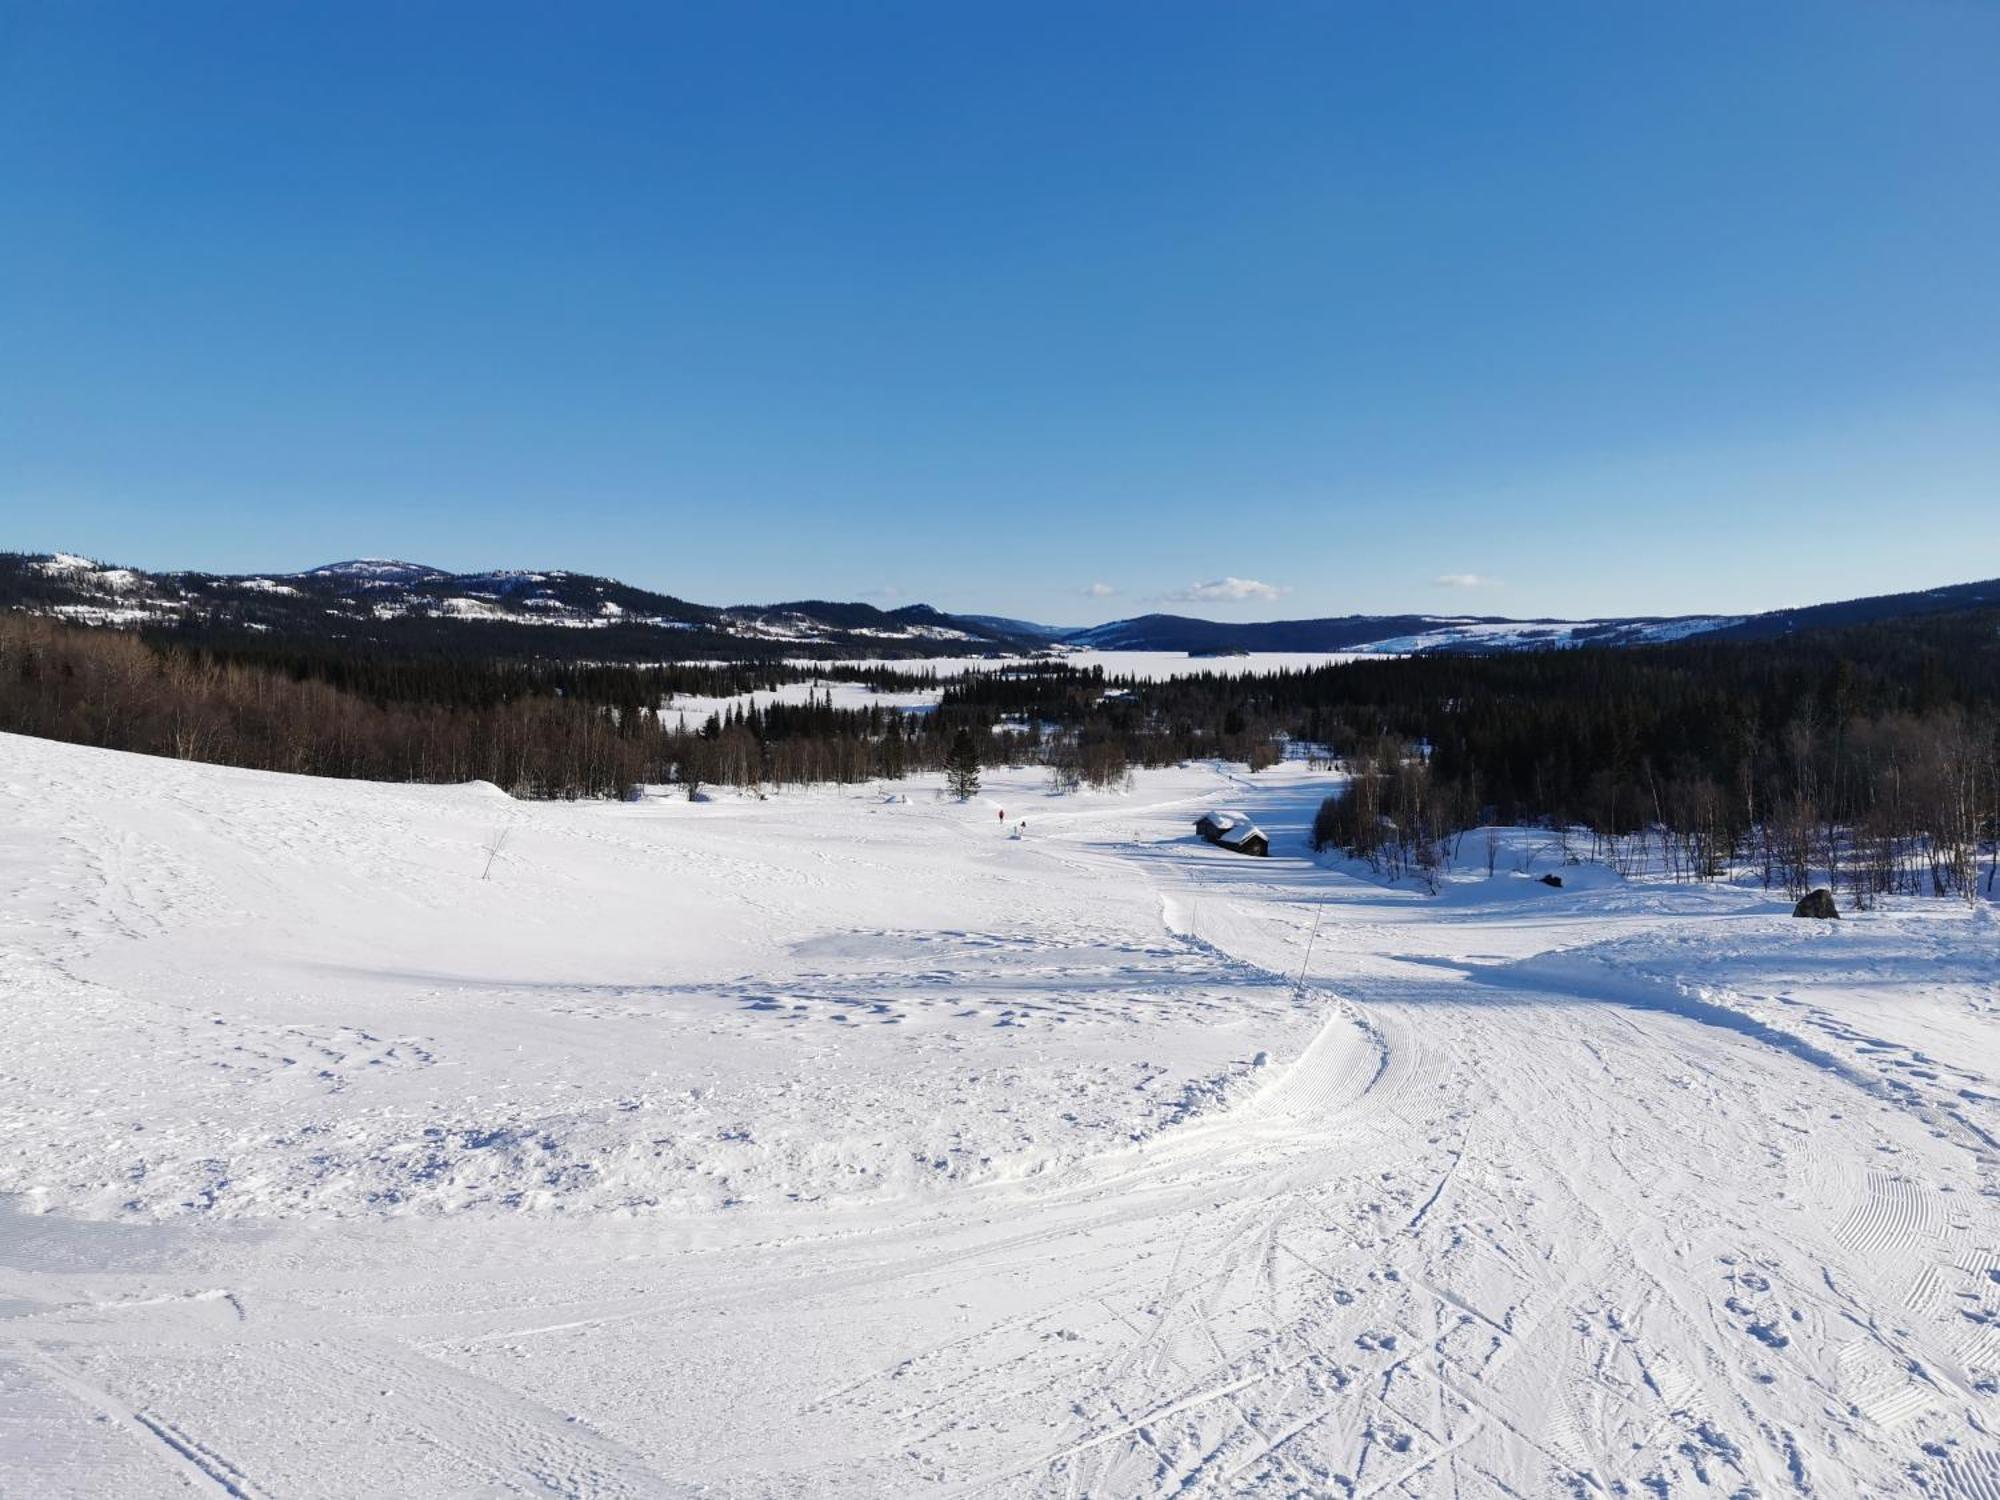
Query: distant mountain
(577, 617)
(1399, 634)
(811, 619)
(1944, 601)
(375, 570)
(1026, 628)
(508, 612)
(1404, 634)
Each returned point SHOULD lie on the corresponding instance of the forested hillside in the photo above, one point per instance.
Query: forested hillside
(1872, 752)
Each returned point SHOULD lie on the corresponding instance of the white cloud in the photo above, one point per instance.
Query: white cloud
(888, 593)
(1226, 591)
(1465, 581)
(1101, 591)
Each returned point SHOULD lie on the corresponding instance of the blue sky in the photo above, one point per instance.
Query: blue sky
(1060, 310)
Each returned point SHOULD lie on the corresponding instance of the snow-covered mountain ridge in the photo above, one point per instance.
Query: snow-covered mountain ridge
(581, 616)
(409, 601)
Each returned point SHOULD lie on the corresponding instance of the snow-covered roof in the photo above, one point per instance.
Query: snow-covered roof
(1228, 827)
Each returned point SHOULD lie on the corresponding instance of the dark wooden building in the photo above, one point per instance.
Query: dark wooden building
(1232, 830)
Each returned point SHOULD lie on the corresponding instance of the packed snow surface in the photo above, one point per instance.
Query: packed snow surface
(387, 1140)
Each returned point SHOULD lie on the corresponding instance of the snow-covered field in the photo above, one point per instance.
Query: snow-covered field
(1147, 666)
(839, 1145)
(688, 710)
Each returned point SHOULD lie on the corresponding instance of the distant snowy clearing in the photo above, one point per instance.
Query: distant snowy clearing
(1149, 666)
(401, 1140)
(695, 707)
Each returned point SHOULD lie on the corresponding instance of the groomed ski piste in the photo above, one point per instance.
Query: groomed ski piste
(368, 1140)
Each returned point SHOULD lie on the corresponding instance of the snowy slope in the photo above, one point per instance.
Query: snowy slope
(1418, 632)
(1393, 634)
(1445, 633)
(840, 1145)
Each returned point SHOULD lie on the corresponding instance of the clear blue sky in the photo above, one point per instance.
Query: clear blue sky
(1612, 307)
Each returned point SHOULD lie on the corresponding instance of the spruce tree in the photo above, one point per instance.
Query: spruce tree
(961, 767)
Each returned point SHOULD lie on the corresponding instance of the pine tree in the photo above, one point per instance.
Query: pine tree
(893, 747)
(961, 767)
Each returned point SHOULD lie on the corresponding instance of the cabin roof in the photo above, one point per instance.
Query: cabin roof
(1229, 828)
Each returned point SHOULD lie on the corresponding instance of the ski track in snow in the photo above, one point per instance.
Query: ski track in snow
(841, 1146)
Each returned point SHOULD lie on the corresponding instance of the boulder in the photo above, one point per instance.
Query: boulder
(1818, 904)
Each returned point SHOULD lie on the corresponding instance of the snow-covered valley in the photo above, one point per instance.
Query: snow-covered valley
(398, 1140)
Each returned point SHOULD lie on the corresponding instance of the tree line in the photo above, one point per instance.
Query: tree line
(1868, 758)
(1868, 755)
(537, 730)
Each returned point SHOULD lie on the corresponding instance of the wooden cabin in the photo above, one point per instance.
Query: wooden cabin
(1233, 831)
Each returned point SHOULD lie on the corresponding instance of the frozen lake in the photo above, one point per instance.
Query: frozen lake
(1152, 666)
